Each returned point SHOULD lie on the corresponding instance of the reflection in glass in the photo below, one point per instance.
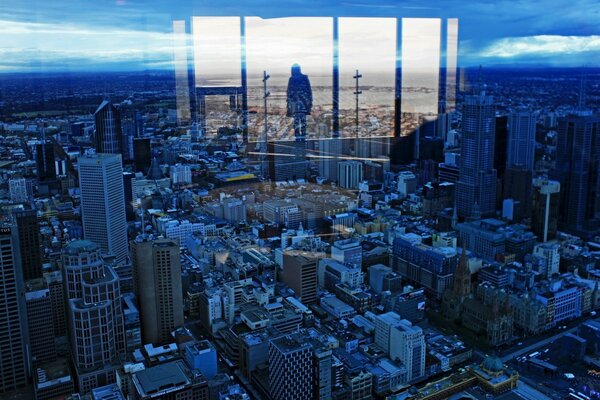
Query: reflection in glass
(451, 63)
(180, 64)
(420, 54)
(367, 45)
(219, 77)
(217, 50)
(274, 45)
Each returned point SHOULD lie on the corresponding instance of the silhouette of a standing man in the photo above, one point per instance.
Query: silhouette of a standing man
(299, 101)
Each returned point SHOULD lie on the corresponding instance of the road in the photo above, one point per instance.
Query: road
(533, 346)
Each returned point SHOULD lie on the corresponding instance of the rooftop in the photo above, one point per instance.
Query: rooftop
(162, 378)
(77, 247)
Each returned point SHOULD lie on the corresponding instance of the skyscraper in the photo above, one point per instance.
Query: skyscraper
(476, 188)
(44, 161)
(40, 321)
(521, 139)
(13, 358)
(290, 369)
(517, 186)
(577, 170)
(142, 154)
(108, 137)
(28, 231)
(300, 274)
(94, 313)
(103, 203)
(157, 284)
(501, 145)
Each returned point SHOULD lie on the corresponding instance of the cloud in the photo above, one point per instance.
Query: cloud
(543, 45)
(54, 46)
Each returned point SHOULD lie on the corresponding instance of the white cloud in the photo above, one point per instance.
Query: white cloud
(541, 45)
(53, 44)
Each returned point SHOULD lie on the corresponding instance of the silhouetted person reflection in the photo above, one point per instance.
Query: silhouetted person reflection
(299, 101)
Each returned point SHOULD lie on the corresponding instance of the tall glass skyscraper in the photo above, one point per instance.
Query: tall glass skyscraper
(103, 203)
(28, 230)
(476, 188)
(13, 359)
(521, 139)
(578, 171)
(108, 128)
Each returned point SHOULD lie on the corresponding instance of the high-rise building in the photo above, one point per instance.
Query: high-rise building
(103, 203)
(40, 321)
(407, 344)
(94, 313)
(54, 281)
(544, 217)
(127, 136)
(128, 187)
(476, 188)
(577, 164)
(300, 274)
(290, 369)
(28, 230)
(44, 161)
(13, 338)
(501, 145)
(322, 365)
(521, 139)
(350, 174)
(142, 154)
(157, 284)
(108, 137)
(517, 186)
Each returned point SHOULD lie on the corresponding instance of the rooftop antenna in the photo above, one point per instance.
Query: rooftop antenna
(263, 150)
(357, 93)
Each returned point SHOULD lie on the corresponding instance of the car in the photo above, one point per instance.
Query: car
(520, 344)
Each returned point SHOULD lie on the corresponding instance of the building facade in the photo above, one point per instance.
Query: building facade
(103, 203)
(157, 284)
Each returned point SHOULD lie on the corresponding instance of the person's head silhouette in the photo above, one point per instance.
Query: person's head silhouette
(296, 69)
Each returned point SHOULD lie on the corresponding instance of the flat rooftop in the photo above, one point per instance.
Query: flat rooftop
(161, 378)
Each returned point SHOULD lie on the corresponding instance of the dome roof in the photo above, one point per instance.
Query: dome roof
(492, 364)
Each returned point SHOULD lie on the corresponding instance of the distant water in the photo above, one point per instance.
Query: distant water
(377, 90)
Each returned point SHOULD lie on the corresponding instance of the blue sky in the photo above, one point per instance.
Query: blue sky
(135, 34)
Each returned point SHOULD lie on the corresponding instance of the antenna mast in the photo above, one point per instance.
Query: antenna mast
(357, 93)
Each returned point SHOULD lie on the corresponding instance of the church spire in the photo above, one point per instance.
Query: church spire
(462, 275)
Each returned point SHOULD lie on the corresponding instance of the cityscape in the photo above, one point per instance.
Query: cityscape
(312, 200)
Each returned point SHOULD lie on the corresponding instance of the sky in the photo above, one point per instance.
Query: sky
(72, 35)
